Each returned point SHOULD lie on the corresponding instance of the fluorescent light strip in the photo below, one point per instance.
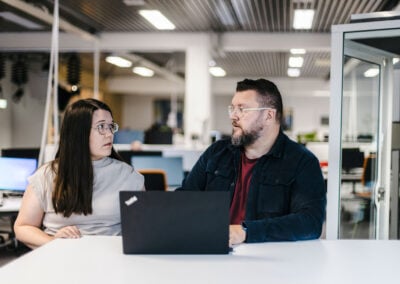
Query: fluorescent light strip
(217, 71)
(143, 71)
(20, 21)
(303, 19)
(296, 61)
(157, 19)
(119, 61)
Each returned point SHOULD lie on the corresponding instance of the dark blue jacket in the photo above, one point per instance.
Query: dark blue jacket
(287, 196)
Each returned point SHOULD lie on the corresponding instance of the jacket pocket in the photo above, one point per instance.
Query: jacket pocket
(274, 195)
(218, 178)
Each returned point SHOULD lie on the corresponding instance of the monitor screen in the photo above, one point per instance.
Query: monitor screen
(14, 173)
(173, 166)
(352, 158)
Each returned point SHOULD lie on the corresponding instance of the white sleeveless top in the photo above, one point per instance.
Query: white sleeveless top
(110, 177)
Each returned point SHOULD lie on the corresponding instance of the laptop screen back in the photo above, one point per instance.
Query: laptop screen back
(179, 222)
(14, 173)
(173, 166)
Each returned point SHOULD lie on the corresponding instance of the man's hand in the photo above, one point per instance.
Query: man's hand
(236, 234)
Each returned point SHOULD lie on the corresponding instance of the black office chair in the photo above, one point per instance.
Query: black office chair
(154, 179)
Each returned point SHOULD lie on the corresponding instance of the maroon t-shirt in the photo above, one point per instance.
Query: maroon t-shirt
(238, 206)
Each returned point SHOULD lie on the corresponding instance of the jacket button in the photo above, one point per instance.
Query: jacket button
(216, 172)
(277, 180)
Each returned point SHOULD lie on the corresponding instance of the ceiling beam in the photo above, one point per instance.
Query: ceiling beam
(161, 42)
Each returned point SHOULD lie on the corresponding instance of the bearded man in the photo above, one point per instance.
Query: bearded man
(276, 185)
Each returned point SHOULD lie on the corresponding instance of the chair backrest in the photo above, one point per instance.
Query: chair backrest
(369, 175)
(154, 179)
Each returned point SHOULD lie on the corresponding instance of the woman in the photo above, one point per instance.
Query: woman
(78, 193)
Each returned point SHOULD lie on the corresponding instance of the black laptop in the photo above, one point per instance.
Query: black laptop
(179, 222)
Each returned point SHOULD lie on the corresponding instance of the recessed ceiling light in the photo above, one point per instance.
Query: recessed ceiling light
(372, 72)
(143, 71)
(293, 72)
(217, 71)
(395, 60)
(119, 61)
(303, 19)
(297, 51)
(296, 61)
(157, 19)
(20, 21)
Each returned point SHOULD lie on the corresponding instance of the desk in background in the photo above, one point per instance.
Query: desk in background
(100, 260)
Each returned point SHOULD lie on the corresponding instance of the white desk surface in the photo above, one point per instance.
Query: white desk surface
(11, 204)
(100, 260)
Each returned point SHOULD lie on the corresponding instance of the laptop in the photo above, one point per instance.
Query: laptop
(14, 173)
(178, 222)
(173, 167)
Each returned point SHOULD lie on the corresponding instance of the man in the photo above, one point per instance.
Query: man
(276, 185)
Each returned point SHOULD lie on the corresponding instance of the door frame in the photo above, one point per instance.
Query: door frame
(381, 29)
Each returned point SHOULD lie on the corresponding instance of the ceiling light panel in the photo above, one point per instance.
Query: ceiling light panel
(119, 61)
(296, 61)
(157, 19)
(143, 71)
(303, 19)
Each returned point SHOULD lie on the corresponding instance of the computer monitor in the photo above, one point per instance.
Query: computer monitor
(21, 153)
(14, 173)
(352, 158)
(173, 166)
(127, 155)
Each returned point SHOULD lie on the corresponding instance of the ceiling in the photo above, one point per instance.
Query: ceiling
(210, 16)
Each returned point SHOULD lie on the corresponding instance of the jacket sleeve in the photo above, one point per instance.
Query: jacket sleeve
(306, 210)
(196, 179)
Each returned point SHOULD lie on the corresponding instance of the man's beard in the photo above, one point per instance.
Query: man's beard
(246, 138)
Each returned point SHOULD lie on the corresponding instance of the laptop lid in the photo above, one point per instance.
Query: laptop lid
(179, 222)
(14, 173)
(173, 166)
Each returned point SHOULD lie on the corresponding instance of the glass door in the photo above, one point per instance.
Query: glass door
(365, 135)
(359, 148)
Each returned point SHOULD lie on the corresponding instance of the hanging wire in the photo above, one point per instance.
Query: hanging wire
(53, 72)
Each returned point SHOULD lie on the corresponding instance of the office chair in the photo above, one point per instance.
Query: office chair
(154, 179)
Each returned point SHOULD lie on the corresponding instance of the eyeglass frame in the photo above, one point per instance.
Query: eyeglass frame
(242, 110)
(112, 127)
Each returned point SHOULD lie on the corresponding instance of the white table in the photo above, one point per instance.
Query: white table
(100, 260)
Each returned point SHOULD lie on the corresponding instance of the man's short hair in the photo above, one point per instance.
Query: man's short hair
(269, 95)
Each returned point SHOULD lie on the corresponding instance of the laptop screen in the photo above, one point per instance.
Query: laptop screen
(173, 166)
(14, 173)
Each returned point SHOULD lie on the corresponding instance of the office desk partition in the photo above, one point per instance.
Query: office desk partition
(99, 259)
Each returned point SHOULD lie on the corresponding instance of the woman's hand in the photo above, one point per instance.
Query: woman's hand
(69, 232)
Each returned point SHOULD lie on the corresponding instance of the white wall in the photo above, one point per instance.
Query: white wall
(307, 112)
(137, 112)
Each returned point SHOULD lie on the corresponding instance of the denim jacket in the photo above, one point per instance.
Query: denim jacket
(287, 196)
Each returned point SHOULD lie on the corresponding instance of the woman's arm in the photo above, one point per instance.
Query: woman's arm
(29, 220)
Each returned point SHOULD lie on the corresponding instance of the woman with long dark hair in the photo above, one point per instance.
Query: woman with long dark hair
(77, 193)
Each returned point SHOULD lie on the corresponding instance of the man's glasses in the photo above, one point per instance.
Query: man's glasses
(240, 111)
(103, 127)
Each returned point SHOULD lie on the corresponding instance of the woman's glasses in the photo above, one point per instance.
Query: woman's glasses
(103, 127)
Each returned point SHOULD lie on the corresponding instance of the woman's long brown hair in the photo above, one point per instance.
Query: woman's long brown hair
(73, 165)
